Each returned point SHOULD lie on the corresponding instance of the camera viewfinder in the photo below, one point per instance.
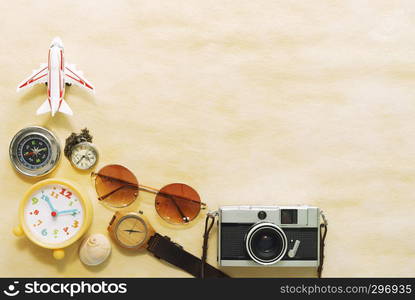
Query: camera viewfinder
(289, 216)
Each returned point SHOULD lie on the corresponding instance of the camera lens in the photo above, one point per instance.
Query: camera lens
(266, 243)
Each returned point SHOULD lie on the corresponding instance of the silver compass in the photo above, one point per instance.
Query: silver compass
(34, 151)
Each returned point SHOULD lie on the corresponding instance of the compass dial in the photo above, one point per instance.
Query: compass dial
(34, 151)
(131, 231)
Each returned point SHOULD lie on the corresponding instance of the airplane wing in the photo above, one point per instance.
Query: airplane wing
(38, 76)
(74, 76)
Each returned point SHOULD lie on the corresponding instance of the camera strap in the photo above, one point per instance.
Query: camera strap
(323, 234)
(210, 221)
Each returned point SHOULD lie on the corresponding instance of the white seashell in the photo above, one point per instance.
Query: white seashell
(94, 249)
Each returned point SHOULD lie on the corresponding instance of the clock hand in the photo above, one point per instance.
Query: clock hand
(132, 230)
(70, 211)
(46, 198)
(83, 156)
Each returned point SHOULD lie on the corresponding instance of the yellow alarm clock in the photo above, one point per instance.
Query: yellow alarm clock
(54, 214)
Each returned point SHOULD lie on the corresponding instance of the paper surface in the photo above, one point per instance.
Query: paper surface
(248, 102)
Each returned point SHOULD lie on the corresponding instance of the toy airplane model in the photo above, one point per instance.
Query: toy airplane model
(55, 74)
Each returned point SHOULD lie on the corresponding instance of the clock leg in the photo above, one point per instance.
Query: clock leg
(58, 254)
(18, 231)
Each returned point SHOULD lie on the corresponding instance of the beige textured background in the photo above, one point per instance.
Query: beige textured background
(249, 102)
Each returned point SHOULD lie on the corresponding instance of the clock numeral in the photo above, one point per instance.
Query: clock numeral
(71, 203)
(55, 233)
(66, 230)
(37, 223)
(35, 212)
(44, 232)
(35, 200)
(75, 224)
(66, 193)
(54, 195)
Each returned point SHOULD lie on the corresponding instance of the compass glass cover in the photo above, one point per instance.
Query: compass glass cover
(131, 231)
(34, 151)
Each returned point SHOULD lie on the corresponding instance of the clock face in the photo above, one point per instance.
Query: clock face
(53, 214)
(84, 156)
(131, 231)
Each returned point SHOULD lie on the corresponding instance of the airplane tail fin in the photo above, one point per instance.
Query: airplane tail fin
(44, 108)
(64, 108)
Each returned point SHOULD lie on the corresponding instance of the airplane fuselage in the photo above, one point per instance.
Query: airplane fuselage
(56, 81)
(55, 74)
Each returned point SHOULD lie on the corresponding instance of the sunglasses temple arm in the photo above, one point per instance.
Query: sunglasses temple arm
(127, 185)
(114, 179)
(180, 197)
(184, 218)
(154, 191)
(116, 190)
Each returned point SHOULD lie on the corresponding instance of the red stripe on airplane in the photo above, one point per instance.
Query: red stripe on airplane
(61, 61)
(31, 80)
(78, 80)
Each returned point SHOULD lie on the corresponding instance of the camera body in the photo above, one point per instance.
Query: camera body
(273, 236)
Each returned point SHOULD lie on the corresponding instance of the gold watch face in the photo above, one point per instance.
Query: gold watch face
(131, 231)
(84, 156)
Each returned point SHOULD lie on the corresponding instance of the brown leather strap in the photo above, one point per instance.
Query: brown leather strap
(208, 227)
(323, 234)
(163, 248)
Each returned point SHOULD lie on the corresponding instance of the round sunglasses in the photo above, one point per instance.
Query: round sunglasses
(176, 203)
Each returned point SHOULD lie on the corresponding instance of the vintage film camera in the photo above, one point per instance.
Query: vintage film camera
(274, 236)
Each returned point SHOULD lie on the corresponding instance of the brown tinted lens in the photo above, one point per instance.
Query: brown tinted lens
(116, 186)
(177, 203)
